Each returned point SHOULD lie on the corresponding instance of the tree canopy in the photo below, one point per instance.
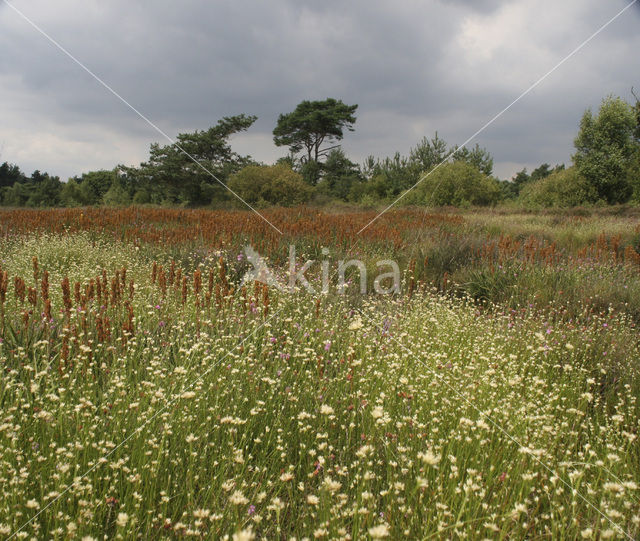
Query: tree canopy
(188, 181)
(18, 190)
(199, 166)
(313, 123)
(605, 146)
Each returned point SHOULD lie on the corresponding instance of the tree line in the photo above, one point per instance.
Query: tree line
(201, 169)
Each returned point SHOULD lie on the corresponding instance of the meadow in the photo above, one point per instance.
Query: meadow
(146, 393)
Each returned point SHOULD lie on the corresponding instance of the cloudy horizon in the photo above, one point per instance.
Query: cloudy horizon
(413, 68)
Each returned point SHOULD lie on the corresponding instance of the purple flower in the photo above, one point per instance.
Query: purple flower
(327, 345)
(251, 510)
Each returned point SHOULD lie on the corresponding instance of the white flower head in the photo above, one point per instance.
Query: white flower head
(377, 412)
(122, 520)
(379, 532)
(325, 409)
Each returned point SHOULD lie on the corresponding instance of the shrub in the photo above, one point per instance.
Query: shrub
(142, 197)
(262, 185)
(116, 195)
(457, 184)
(633, 177)
(563, 188)
(605, 147)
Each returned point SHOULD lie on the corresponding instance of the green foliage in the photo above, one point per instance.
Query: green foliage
(95, 188)
(339, 175)
(289, 160)
(370, 193)
(40, 190)
(633, 176)
(511, 189)
(44, 190)
(428, 153)
(141, 197)
(458, 184)
(311, 171)
(521, 178)
(508, 189)
(117, 194)
(400, 173)
(311, 124)
(395, 174)
(562, 188)
(194, 170)
(262, 185)
(10, 174)
(605, 146)
(478, 157)
(70, 195)
(95, 184)
(543, 171)
(170, 176)
(16, 196)
(181, 178)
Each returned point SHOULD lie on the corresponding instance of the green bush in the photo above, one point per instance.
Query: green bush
(633, 177)
(458, 184)
(605, 147)
(564, 188)
(263, 185)
(116, 195)
(142, 197)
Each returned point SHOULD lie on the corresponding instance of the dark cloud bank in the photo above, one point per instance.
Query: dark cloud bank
(413, 67)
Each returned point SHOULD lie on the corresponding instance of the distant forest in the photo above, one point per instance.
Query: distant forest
(201, 170)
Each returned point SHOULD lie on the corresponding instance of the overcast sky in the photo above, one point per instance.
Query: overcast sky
(413, 67)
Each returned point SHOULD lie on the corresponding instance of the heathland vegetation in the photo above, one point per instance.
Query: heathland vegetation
(196, 170)
(150, 390)
(146, 392)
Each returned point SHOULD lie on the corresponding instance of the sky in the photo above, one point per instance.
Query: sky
(413, 67)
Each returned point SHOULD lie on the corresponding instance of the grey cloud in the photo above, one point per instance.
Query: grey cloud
(186, 65)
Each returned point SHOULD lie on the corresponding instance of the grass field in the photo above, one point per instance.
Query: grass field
(146, 393)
